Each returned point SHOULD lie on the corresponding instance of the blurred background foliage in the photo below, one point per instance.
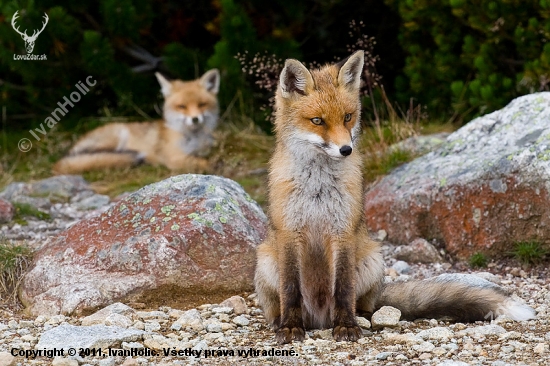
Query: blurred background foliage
(459, 58)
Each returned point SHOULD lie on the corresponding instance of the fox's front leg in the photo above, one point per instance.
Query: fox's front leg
(345, 327)
(291, 326)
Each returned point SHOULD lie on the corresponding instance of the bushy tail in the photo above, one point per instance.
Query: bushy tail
(465, 298)
(93, 161)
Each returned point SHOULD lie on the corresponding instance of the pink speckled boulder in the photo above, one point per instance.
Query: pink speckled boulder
(188, 231)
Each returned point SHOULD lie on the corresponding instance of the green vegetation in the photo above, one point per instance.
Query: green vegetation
(14, 260)
(478, 260)
(475, 56)
(529, 252)
(23, 210)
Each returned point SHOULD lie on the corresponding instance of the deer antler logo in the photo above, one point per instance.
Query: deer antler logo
(29, 40)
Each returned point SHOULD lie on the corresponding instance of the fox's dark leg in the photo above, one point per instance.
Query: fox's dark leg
(343, 315)
(291, 323)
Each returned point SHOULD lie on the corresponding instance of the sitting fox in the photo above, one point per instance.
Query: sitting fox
(317, 266)
(179, 142)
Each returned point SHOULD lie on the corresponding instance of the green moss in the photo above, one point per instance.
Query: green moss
(26, 210)
(167, 209)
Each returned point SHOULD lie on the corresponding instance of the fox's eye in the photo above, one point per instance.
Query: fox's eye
(182, 106)
(202, 105)
(317, 121)
(347, 117)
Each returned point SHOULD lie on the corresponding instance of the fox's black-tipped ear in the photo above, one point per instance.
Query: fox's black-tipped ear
(350, 71)
(165, 85)
(211, 81)
(295, 79)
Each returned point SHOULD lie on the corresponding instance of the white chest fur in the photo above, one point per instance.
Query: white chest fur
(319, 201)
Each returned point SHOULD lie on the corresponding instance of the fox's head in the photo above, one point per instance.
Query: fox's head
(320, 108)
(191, 106)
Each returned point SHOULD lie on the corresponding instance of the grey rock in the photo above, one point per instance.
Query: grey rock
(418, 251)
(237, 303)
(191, 318)
(363, 322)
(93, 202)
(386, 316)
(61, 187)
(241, 320)
(6, 359)
(384, 355)
(118, 320)
(102, 315)
(485, 188)
(213, 326)
(437, 333)
(111, 361)
(483, 330)
(422, 144)
(401, 267)
(61, 361)
(453, 363)
(152, 326)
(423, 347)
(222, 309)
(66, 336)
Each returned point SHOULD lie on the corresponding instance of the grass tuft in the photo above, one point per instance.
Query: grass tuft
(478, 260)
(14, 260)
(529, 252)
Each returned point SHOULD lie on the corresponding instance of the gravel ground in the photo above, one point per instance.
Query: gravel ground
(221, 332)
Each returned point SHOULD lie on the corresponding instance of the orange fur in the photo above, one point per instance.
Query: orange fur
(317, 266)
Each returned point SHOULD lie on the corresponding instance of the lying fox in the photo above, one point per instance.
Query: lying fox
(317, 267)
(179, 142)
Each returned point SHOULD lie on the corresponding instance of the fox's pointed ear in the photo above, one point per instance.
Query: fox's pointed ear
(351, 70)
(165, 85)
(295, 79)
(211, 81)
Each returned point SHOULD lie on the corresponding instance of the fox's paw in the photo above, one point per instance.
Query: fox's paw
(347, 333)
(289, 334)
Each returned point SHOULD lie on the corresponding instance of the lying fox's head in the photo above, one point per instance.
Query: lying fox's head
(320, 108)
(191, 106)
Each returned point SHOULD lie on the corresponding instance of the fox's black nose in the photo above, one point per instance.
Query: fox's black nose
(346, 150)
(195, 120)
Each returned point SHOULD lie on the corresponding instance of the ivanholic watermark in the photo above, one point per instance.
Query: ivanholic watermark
(29, 40)
(25, 144)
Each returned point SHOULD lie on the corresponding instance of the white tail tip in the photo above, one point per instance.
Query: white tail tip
(518, 311)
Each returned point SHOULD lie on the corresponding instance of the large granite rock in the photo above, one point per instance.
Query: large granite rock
(484, 189)
(189, 231)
